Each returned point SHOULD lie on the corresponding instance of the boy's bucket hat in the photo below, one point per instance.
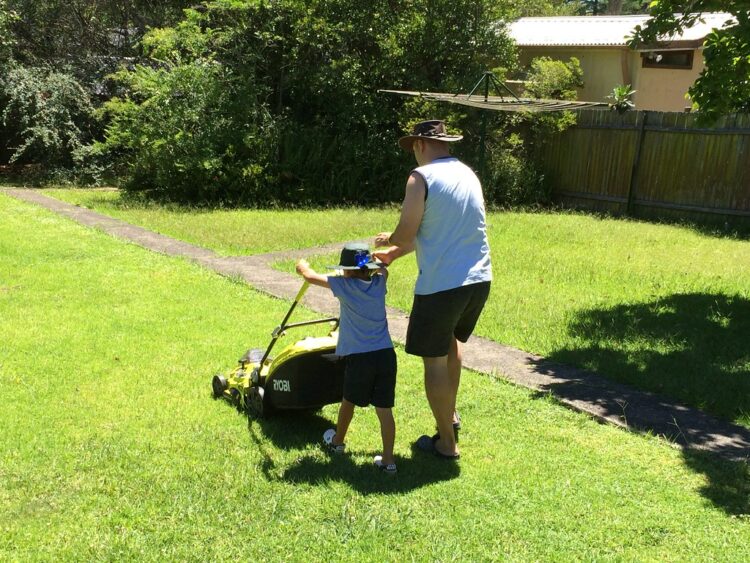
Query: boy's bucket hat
(433, 129)
(356, 256)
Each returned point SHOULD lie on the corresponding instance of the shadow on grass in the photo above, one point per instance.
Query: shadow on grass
(727, 482)
(716, 226)
(298, 430)
(692, 347)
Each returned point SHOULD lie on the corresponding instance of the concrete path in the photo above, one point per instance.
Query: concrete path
(578, 389)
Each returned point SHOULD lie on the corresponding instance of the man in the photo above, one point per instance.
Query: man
(443, 221)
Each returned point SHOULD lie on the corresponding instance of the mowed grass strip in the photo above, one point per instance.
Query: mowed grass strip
(113, 448)
(235, 232)
(662, 307)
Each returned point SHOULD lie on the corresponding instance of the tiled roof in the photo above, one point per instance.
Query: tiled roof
(599, 31)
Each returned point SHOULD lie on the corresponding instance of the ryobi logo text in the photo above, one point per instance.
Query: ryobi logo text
(281, 385)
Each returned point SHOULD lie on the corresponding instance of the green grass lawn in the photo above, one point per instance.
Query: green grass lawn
(114, 450)
(662, 307)
(233, 232)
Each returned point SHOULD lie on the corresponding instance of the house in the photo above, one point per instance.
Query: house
(661, 74)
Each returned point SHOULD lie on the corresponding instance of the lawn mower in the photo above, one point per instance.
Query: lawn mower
(305, 375)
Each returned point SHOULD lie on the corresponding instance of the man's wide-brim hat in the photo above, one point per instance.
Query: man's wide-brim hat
(356, 256)
(433, 130)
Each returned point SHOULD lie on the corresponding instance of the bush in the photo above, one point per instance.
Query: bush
(47, 115)
(554, 79)
(514, 178)
(193, 131)
(283, 99)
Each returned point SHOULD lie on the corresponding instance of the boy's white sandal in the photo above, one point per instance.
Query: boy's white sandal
(389, 468)
(328, 441)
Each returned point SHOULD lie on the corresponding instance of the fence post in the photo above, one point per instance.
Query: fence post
(632, 187)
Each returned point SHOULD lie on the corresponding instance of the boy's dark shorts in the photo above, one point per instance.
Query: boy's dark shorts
(439, 317)
(370, 378)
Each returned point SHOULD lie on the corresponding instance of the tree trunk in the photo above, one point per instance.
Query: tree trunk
(614, 7)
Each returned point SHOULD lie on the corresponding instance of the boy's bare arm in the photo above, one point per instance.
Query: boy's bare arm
(311, 276)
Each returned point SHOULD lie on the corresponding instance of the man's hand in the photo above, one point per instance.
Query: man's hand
(382, 239)
(391, 253)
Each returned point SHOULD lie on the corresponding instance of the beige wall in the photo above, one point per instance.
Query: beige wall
(658, 89)
(602, 68)
(664, 89)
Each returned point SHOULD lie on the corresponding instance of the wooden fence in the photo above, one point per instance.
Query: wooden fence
(651, 163)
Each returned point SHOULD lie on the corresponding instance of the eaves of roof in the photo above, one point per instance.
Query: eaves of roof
(603, 31)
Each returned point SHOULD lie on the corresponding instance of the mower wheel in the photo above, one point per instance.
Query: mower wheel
(236, 397)
(254, 402)
(219, 385)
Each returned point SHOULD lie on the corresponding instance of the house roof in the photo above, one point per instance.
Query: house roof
(603, 31)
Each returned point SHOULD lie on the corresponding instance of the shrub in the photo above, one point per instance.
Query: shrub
(47, 115)
(554, 79)
(193, 131)
(290, 90)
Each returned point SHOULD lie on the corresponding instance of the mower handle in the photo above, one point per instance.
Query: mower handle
(283, 325)
(279, 330)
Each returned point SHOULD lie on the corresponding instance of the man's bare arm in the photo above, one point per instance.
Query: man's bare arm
(401, 241)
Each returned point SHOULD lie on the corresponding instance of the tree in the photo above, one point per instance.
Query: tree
(609, 7)
(724, 84)
(51, 30)
(6, 38)
(293, 86)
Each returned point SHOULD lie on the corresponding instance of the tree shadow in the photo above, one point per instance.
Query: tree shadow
(694, 347)
(291, 430)
(691, 347)
(715, 226)
(727, 482)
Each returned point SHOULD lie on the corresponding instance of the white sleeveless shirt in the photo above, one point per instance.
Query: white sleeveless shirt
(451, 244)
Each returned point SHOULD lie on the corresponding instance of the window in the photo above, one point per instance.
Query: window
(667, 59)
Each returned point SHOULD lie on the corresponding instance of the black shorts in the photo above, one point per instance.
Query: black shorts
(437, 318)
(370, 378)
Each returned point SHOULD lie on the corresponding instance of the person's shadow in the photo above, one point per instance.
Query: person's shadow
(693, 347)
(289, 430)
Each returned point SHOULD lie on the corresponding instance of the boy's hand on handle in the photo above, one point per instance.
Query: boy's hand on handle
(302, 266)
(311, 276)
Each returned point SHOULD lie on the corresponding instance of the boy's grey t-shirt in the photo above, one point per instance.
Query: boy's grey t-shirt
(363, 326)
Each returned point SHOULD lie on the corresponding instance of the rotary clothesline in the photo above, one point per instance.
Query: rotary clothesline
(501, 103)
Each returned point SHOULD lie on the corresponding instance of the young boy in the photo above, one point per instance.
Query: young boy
(364, 341)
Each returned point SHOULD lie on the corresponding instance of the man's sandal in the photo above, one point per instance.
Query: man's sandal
(427, 444)
(456, 425)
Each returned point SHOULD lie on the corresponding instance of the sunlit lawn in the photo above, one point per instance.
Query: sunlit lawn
(113, 448)
(665, 308)
(233, 232)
